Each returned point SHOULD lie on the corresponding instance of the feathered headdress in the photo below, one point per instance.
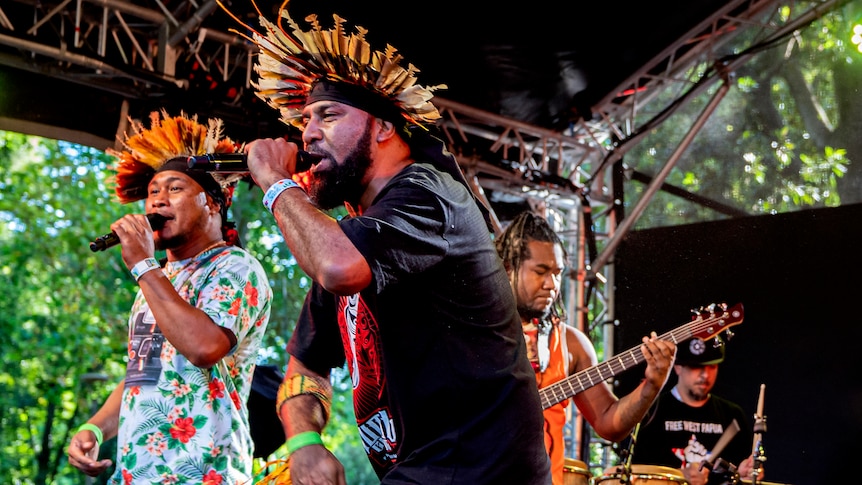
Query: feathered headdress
(147, 151)
(290, 66)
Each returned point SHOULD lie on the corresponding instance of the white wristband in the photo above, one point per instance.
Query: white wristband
(276, 190)
(144, 266)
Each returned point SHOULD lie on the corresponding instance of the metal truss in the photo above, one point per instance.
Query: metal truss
(139, 48)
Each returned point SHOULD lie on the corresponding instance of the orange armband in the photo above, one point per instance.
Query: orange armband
(297, 384)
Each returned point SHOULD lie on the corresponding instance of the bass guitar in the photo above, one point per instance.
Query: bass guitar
(708, 323)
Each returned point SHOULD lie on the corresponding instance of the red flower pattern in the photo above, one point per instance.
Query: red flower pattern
(252, 293)
(212, 478)
(137, 467)
(216, 389)
(234, 307)
(183, 429)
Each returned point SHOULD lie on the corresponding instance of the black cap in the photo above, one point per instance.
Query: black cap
(697, 352)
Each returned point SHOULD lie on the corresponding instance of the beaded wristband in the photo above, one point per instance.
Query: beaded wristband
(275, 190)
(93, 429)
(302, 440)
(144, 266)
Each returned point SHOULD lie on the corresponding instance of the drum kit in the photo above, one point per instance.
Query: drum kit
(576, 472)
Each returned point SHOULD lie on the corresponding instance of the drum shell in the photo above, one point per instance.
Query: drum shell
(645, 475)
(576, 472)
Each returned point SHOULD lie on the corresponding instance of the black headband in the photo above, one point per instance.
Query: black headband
(356, 96)
(204, 179)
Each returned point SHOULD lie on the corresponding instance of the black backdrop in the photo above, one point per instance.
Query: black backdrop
(797, 276)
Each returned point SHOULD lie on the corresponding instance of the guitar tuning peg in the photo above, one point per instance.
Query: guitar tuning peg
(728, 334)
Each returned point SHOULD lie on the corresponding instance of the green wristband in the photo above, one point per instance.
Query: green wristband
(302, 440)
(94, 429)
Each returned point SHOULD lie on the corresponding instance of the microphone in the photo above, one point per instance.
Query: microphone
(109, 240)
(238, 162)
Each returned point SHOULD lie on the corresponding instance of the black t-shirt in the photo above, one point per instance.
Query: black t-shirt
(674, 433)
(443, 390)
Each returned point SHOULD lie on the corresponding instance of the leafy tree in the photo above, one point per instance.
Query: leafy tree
(61, 305)
(782, 139)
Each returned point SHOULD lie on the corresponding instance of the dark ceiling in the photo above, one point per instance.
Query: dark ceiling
(540, 99)
(548, 65)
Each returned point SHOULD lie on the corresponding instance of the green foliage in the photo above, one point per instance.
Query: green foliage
(65, 308)
(780, 140)
(61, 306)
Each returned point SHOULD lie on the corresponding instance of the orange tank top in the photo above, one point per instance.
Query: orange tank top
(555, 416)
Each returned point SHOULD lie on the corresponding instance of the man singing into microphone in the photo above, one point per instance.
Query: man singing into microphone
(408, 291)
(196, 325)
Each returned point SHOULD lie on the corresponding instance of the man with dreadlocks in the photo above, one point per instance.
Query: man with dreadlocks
(408, 291)
(534, 258)
(196, 324)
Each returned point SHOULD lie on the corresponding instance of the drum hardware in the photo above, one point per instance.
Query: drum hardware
(758, 454)
(628, 474)
(625, 469)
(723, 467)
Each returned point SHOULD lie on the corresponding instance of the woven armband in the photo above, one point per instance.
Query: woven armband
(297, 384)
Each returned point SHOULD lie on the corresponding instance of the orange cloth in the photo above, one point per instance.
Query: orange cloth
(555, 416)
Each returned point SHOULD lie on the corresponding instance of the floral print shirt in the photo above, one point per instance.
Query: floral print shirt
(180, 423)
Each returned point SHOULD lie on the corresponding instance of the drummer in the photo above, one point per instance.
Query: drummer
(686, 422)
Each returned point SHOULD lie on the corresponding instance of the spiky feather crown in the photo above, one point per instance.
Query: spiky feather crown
(147, 150)
(289, 66)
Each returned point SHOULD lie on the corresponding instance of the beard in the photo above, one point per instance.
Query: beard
(344, 182)
(697, 395)
(170, 243)
(528, 313)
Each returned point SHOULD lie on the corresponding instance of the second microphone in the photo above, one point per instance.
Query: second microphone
(238, 162)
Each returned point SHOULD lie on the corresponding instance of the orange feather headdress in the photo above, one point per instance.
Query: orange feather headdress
(147, 150)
